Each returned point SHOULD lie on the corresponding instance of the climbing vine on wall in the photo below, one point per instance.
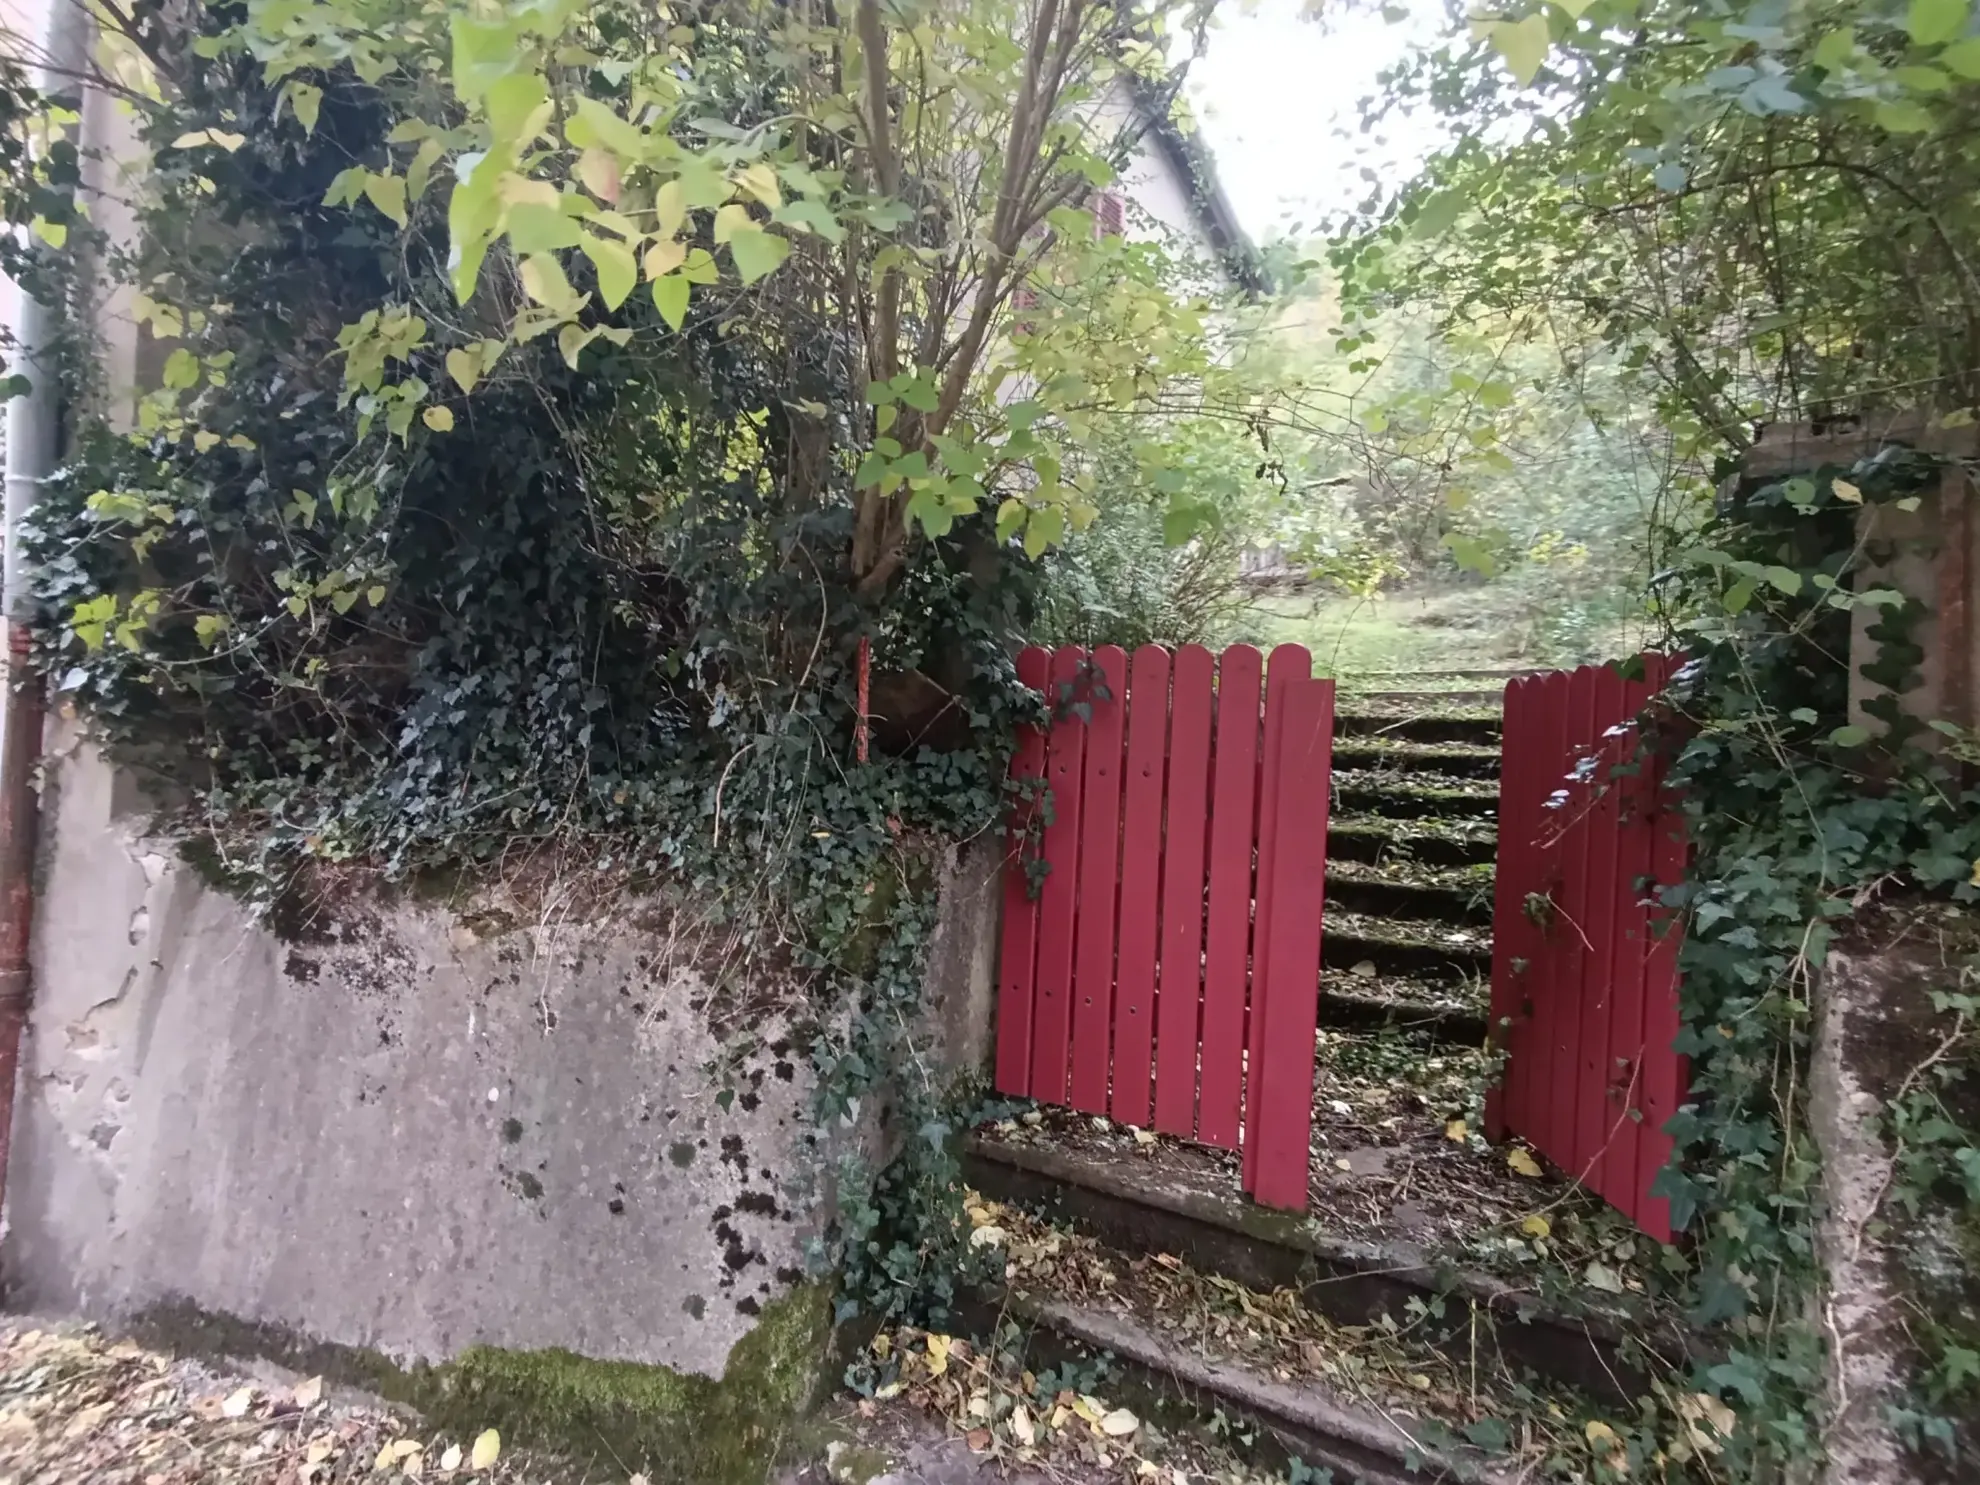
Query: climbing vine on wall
(1800, 818)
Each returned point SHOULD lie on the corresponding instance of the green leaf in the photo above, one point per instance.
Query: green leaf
(511, 103)
(732, 219)
(307, 102)
(1902, 118)
(387, 193)
(757, 252)
(1852, 736)
(1435, 216)
(670, 297)
(535, 228)
(699, 268)
(543, 280)
(1962, 57)
(810, 215)
(617, 269)
(571, 341)
(464, 368)
(1523, 44)
(1786, 579)
(1834, 50)
(1935, 22)
(594, 125)
(181, 370)
(1046, 526)
(918, 392)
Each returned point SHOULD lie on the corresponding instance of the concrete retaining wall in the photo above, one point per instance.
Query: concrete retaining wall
(416, 1129)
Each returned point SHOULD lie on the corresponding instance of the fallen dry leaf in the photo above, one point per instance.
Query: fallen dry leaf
(237, 1403)
(1536, 1226)
(1457, 1131)
(307, 1394)
(1119, 1423)
(451, 1459)
(487, 1449)
(1523, 1163)
(1022, 1428)
(978, 1439)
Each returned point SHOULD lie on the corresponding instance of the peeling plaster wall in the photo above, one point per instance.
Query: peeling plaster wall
(417, 1131)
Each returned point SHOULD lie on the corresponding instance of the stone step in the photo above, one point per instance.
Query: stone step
(1456, 895)
(1345, 1007)
(1477, 726)
(1379, 839)
(1413, 796)
(1326, 1429)
(1185, 1202)
(1445, 698)
(1457, 760)
(1397, 946)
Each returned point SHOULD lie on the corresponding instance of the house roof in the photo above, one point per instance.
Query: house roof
(1189, 156)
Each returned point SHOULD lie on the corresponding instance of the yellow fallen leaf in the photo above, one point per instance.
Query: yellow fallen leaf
(1022, 1428)
(1974, 880)
(883, 1345)
(487, 1449)
(1420, 1381)
(891, 1389)
(1846, 491)
(1089, 1408)
(1457, 1130)
(308, 1394)
(1536, 1226)
(451, 1460)
(986, 1237)
(1523, 1163)
(1603, 1441)
(1119, 1424)
(415, 1466)
(237, 1403)
(319, 1449)
(938, 1354)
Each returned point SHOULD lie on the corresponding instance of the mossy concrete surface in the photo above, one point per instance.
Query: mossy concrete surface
(682, 1428)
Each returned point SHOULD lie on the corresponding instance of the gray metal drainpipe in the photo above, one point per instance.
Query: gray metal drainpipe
(33, 434)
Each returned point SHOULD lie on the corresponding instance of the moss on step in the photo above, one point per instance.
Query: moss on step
(683, 1428)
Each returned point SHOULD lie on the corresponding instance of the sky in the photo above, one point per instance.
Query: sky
(1276, 96)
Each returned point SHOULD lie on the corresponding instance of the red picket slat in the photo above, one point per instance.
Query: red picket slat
(1511, 932)
(1141, 866)
(1569, 930)
(1065, 750)
(1287, 968)
(1179, 999)
(1099, 885)
(1228, 937)
(1550, 751)
(1017, 954)
(1596, 1111)
(1666, 1073)
(1288, 666)
(1623, 1173)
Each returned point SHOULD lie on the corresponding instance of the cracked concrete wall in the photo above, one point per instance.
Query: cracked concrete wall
(419, 1130)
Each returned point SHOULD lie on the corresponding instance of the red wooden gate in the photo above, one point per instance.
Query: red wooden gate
(1584, 986)
(1167, 971)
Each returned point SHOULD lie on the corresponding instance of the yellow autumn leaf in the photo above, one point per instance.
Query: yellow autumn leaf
(1846, 491)
(203, 440)
(451, 1460)
(1119, 1423)
(1536, 1226)
(938, 1354)
(439, 419)
(1974, 880)
(1523, 1163)
(1457, 1131)
(1022, 1428)
(664, 257)
(487, 1449)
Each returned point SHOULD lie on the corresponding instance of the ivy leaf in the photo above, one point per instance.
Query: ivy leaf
(757, 253)
(617, 271)
(1934, 22)
(1523, 44)
(670, 297)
